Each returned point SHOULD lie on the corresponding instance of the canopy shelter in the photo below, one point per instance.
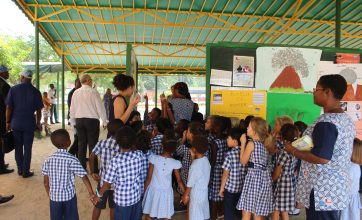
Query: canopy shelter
(44, 67)
(169, 36)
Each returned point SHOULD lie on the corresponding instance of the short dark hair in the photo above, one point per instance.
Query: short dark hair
(336, 83)
(222, 126)
(235, 134)
(196, 128)
(125, 137)
(60, 138)
(133, 113)
(163, 124)
(122, 81)
(114, 125)
(143, 141)
(169, 145)
(289, 132)
(200, 143)
(136, 126)
(158, 111)
(301, 126)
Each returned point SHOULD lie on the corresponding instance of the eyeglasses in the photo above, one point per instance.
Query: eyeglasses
(317, 89)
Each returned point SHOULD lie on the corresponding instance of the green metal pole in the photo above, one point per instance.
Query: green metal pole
(338, 23)
(156, 93)
(37, 83)
(207, 78)
(128, 59)
(63, 94)
(57, 95)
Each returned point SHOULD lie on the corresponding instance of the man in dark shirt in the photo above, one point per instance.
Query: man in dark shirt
(21, 103)
(4, 89)
(74, 148)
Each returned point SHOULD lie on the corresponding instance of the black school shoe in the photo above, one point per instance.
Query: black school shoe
(4, 199)
(28, 174)
(6, 171)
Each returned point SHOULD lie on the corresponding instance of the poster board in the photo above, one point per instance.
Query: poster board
(238, 103)
(354, 110)
(298, 106)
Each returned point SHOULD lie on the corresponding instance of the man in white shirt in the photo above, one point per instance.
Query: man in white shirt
(52, 93)
(85, 111)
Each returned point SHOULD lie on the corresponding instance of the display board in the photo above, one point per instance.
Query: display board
(238, 103)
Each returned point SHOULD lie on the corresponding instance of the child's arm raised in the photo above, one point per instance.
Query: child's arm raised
(245, 152)
(179, 180)
(149, 176)
(46, 184)
(224, 178)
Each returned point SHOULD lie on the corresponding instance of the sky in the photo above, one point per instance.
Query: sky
(13, 21)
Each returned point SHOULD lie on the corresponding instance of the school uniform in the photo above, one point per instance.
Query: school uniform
(61, 167)
(156, 144)
(256, 196)
(284, 192)
(234, 183)
(217, 170)
(125, 171)
(183, 151)
(198, 181)
(105, 150)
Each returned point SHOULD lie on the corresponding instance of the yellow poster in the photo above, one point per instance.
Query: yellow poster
(238, 103)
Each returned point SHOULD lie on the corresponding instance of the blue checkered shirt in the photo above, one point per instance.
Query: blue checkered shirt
(61, 167)
(105, 150)
(125, 172)
(237, 171)
(156, 144)
(145, 164)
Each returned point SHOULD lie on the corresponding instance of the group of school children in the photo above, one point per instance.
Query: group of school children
(220, 168)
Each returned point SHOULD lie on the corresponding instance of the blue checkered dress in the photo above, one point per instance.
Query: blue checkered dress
(125, 172)
(284, 192)
(156, 144)
(216, 172)
(145, 164)
(61, 167)
(237, 171)
(257, 195)
(105, 150)
(183, 151)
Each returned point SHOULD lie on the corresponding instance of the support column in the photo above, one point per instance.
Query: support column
(156, 93)
(57, 95)
(37, 83)
(63, 93)
(338, 23)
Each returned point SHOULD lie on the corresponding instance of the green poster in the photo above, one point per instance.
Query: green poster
(298, 106)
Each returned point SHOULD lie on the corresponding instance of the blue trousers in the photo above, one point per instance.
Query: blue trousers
(53, 111)
(133, 212)
(23, 147)
(312, 214)
(230, 202)
(66, 210)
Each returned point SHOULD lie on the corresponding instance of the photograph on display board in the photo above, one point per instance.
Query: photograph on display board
(351, 72)
(243, 71)
(354, 110)
(285, 69)
(220, 77)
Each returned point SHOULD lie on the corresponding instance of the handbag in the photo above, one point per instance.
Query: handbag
(7, 142)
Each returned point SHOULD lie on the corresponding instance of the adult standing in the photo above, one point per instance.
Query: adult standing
(52, 93)
(21, 103)
(107, 98)
(85, 111)
(74, 148)
(323, 184)
(179, 106)
(4, 90)
(118, 108)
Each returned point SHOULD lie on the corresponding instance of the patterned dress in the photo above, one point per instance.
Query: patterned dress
(330, 182)
(284, 191)
(257, 195)
(183, 151)
(217, 170)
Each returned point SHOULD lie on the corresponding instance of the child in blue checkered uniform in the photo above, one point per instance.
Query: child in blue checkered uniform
(59, 171)
(221, 127)
(233, 176)
(105, 150)
(143, 144)
(125, 173)
(256, 197)
(162, 124)
(198, 180)
(284, 191)
(158, 198)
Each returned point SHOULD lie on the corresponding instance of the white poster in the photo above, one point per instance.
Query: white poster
(220, 77)
(243, 71)
(286, 69)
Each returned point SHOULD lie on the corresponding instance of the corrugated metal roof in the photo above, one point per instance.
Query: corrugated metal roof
(172, 34)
